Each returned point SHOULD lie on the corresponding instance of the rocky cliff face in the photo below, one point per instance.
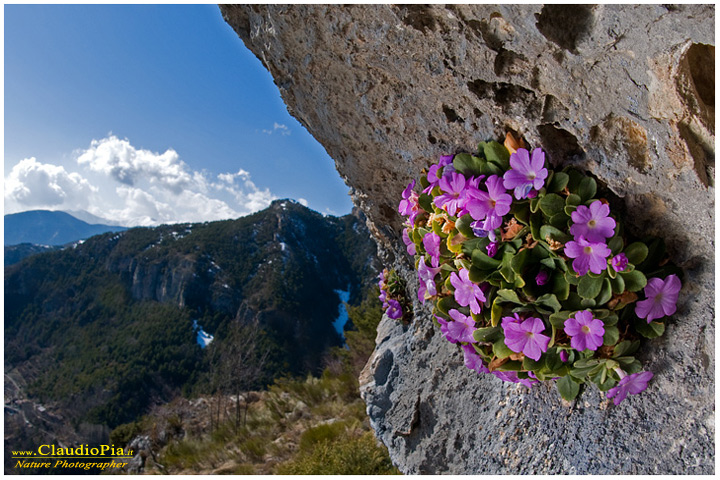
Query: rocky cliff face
(624, 92)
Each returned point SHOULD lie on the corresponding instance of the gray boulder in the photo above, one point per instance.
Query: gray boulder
(625, 92)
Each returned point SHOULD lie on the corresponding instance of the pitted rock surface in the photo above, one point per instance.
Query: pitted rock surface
(625, 92)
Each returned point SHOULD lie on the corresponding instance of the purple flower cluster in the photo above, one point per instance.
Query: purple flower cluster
(392, 307)
(591, 228)
(455, 204)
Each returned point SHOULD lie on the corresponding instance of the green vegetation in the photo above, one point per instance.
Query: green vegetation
(313, 426)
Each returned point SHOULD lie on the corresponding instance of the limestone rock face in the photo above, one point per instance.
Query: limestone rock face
(623, 92)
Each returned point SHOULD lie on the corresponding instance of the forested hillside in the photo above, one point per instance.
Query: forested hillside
(103, 330)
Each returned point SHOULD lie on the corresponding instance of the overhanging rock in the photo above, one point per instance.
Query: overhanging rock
(624, 92)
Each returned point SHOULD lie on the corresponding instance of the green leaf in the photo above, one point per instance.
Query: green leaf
(611, 337)
(618, 284)
(511, 296)
(486, 334)
(587, 302)
(532, 365)
(549, 300)
(506, 269)
(517, 263)
(468, 165)
(481, 260)
(610, 320)
(511, 366)
(536, 222)
(587, 188)
(501, 350)
(425, 202)
(569, 209)
(558, 182)
(587, 362)
(534, 204)
(615, 245)
(446, 304)
(557, 319)
(568, 388)
(589, 287)
(626, 347)
(575, 178)
(497, 153)
(552, 204)
(571, 277)
(560, 220)
(649, 330)
(521, 211)
(490, 168)
(634, 281)
(636, 252)
(580, 373)
(573, 200)
(605, 293)
(554, 233)
(496, 313)
(656, 253)
(561, 288)
(463, 226)
(573, 302)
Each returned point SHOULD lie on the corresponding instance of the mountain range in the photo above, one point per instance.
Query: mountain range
(44, 227)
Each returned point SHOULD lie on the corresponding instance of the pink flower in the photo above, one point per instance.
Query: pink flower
(526, 338)
(409, 244)
(461, 330)
(525, 174)
(586, 332)
(473, 361)
(632, 384)
(619, 262)
(444, 329)
(394, 309)
(494, 202)
(431, 242)
(592, 222)
(512, 377)
(409, 203)
(467, 293)
(588, 255)
(661, 296)
(453, 199)
(426, 276)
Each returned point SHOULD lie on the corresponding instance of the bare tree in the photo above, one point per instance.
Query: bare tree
(237, 361)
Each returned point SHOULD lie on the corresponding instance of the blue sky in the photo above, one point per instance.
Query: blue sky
(149, 114)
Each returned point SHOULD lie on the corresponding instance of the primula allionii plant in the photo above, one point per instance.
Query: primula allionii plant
(531, 274)
(392, 295)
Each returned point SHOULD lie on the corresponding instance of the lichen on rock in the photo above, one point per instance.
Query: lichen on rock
(625, 92)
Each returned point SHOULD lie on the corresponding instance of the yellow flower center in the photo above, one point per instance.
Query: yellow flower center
(587, 250)
(591, 223)
(585, 329)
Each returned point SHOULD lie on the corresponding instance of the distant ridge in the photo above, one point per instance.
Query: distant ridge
(44, 227)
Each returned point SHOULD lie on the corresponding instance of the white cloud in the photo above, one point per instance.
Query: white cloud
(32, 184)
(126, 164)
(278, 128)
(133, 187)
